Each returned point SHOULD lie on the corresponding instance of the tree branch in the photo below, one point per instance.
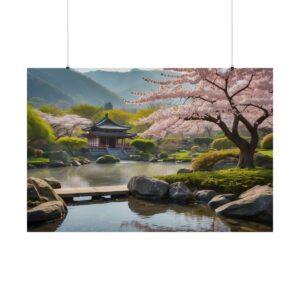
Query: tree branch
(244, 88)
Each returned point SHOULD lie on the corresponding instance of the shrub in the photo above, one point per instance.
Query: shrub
(30, 152)
(203, 141)
(224, 181)
(267, 142)
(72, 143)
(206, 160)
(143, 145)
(195, 149)
(163, 155)
(46, 154)
(222, 143)
(38, 152)
(107, 159)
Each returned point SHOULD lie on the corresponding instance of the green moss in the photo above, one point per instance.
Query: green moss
(266, 152)
(206, 160)
(224, 181)
(37, 160)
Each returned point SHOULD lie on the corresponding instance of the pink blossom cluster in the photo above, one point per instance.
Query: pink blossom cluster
(211, 94)
(66, 124)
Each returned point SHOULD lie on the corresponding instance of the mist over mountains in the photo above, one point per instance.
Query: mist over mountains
(67, 87)
(124, 83)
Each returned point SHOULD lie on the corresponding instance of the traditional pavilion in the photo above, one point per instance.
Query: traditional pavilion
(107, 134)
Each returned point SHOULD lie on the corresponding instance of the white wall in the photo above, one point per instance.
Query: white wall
(138, 33)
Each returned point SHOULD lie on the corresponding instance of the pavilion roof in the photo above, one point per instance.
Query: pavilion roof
(107, 124)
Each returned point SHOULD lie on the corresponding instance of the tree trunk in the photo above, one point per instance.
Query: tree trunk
(246, 159)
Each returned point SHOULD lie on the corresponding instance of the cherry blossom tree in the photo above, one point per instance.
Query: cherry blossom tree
(226, 98)
(67, 125)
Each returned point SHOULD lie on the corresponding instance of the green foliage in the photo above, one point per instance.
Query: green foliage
(35, 160)
(72, 143)
(37, 128)
(30, 152)
(195, 149)
(143, 145)
(170, 144)
(206, 160)
(86, 111)
(266, 152)
(203, 141)
(51, 109)
(224, 181)
(267, 142)
(222, 143)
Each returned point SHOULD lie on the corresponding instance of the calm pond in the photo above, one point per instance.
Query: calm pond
(132, 214)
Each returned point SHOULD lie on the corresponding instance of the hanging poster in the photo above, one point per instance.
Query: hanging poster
(169, 149)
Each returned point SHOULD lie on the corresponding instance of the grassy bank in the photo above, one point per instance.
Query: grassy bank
(224, 181)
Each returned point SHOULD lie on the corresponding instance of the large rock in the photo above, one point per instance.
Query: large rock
(32, 192)
(220, 200)
(54, 183)
(148, 188)
(107, 159)
(44, 189)
(39, 194)
(75, 163)
(204, 196)
(183, 171)
(60, 156)
(179, 192)
(57, 164)
(226, 163)
(46, 212)
(254, 204)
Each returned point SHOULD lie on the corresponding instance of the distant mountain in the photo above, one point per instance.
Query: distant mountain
(124, 83)
(67, 87)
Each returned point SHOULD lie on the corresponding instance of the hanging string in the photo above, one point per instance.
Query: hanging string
(231, 15)
(68, 36)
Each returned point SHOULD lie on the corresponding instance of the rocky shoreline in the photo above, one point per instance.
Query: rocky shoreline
(43, 203)
(255, 204)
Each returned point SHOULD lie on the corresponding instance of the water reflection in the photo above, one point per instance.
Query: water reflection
(132, 214)
(106, 174)
(140, 215)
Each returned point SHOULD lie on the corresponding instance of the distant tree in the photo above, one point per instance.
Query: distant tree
(37, 127)
(86, 111)
(203, 141)
(108, 106)
(170, 144)
(72, 143)
(222, 143)
(67, 125)
(144, 145)
(51, 109)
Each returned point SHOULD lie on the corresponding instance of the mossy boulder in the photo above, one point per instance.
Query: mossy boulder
(107, 159)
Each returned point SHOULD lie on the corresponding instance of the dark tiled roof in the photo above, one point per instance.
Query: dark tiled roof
(107, 124)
